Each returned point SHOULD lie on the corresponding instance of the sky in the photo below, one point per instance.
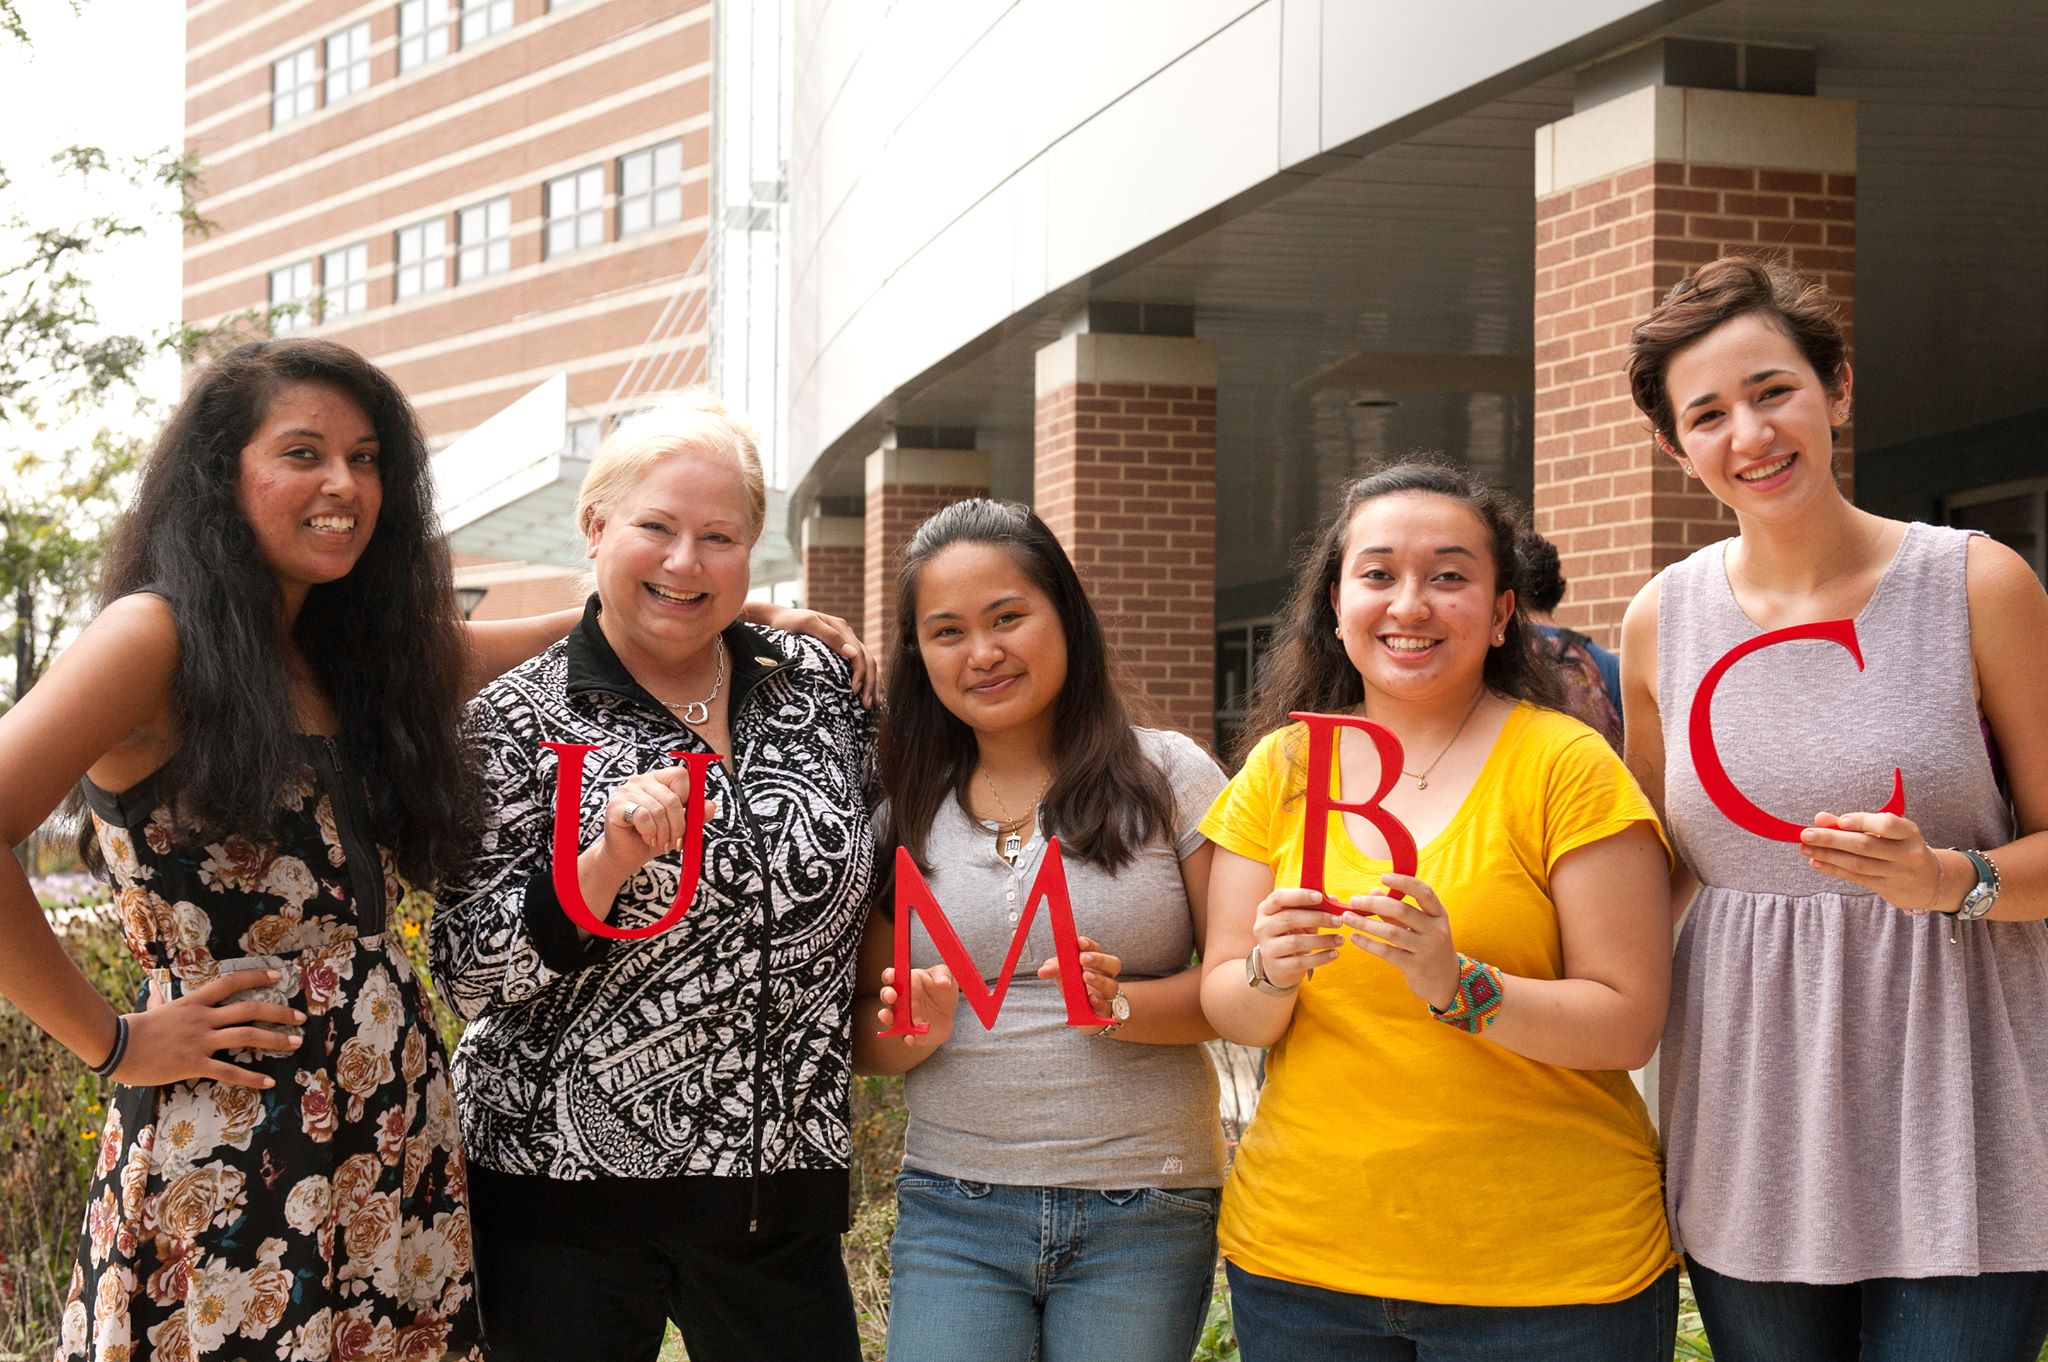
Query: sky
(110, 74)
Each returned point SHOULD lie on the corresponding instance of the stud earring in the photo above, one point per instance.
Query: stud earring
(1499, 639)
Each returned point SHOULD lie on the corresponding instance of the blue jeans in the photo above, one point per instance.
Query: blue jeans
(1285, 1322)
(1996, 1317)
(994, 1273)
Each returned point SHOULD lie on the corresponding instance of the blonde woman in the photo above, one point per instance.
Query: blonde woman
(656, 1126)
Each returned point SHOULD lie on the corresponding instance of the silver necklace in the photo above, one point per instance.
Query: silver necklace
(1422, 781)
(699, 711)
(1009, 830)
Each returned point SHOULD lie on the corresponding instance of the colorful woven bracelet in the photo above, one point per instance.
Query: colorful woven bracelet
(1477, 1005)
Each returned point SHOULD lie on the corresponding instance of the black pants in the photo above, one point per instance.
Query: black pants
(599, 1284)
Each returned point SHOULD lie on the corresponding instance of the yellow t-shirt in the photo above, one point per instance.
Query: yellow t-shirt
(1395, 1156)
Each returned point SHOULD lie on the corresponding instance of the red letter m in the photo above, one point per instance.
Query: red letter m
(913, 895)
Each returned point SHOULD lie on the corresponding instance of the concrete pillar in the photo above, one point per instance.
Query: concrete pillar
(832, 553)
(1124, 472)
(904, 487)
(1631, 195)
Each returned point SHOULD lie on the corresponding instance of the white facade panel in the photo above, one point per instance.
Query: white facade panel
(1386, 59)
(1202, 130)
(955, 162)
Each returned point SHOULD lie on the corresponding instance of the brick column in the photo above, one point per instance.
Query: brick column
(1124, 472)
(832, 554)
(904, 487)
(1631, 195)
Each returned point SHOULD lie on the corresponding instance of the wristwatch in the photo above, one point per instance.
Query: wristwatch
(1255, 976)
(1984, 893)
(1119, 1008)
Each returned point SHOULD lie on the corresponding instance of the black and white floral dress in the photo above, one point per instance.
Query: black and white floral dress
(323, 1218)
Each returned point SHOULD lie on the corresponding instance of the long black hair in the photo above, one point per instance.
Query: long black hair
(1107, 799)
(385, 641)
(1310, 671)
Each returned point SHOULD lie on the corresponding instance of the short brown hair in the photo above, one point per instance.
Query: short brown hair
(1718, 292)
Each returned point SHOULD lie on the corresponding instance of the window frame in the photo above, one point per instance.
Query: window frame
(430, 41)
(439, 257)
(305, 292)
(355, 282)
(2034, 488)
(489, 11)
(303, 93)
(354, 46)
(493, 250)
(580, 216)
(656, 192)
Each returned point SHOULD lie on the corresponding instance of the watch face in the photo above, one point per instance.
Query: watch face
(1120, 1007)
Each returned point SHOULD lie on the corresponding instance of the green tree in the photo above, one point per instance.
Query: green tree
(69, 400)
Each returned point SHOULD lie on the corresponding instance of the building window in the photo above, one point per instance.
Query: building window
(2013, 513)
(651, 187)
(482, 18)
(292, 287)
(294, 85)
(582, 439)
(575, 211)
(483, 238)
(345, 282)
(422, 32)
(348, 62)
(422, 255)
(1241, 648)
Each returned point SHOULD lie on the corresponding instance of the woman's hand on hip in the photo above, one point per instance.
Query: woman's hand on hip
(1413, 936)
(177, 1041)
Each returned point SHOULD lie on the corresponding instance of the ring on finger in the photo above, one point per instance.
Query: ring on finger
(631, 811)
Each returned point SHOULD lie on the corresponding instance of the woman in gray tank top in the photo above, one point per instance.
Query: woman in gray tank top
(1855, 1069)
(1061, 1171)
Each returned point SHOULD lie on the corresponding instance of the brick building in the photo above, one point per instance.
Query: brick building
(1233, 250)
(478, 194)
(1171, 272)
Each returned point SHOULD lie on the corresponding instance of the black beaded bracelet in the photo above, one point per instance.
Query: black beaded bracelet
(113, 1061)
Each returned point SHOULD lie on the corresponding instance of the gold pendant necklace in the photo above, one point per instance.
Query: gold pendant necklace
(1009, 841)
(1422, 781)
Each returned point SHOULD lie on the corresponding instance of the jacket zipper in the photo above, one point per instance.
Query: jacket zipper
(365, 867)
(764, 950)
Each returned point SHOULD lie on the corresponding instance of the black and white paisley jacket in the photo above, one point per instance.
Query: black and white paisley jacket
(722, 1047)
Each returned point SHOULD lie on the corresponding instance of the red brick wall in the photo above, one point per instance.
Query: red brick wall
(1617, 508)
(832, 581)
(1126, 477)
(895, 510)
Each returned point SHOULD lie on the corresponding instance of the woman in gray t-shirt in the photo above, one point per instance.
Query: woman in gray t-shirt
(1063, 1158)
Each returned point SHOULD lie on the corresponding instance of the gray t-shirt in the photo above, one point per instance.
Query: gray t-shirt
(1036, 1102)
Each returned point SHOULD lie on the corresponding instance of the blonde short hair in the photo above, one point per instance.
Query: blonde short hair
(691, 421)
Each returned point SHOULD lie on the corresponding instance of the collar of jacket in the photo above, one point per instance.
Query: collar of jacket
(595, 669)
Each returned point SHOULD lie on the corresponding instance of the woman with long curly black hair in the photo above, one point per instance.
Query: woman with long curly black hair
(263, 722)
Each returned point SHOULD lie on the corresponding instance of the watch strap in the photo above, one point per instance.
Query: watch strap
(1983, 895)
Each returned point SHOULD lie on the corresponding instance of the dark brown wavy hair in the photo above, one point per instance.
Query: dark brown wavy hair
(1309, 669)
(1717, 293)
(385, 641)
(1107, 800)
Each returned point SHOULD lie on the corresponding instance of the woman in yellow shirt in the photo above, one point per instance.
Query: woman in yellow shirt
(1449, 1158)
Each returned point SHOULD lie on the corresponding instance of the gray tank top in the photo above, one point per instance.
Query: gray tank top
(1845, 1093)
